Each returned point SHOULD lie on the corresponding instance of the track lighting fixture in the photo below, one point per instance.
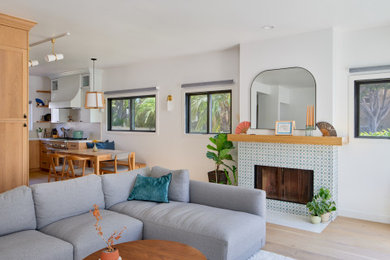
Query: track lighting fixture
(33, 63)
(53, 56)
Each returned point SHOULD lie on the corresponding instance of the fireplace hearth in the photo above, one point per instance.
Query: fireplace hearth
(285, 184)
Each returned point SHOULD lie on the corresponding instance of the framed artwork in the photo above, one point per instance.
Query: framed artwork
(284, 127)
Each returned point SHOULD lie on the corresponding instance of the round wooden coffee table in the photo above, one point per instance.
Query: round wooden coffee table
(154, 249)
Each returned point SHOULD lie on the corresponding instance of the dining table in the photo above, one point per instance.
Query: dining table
(95, 156)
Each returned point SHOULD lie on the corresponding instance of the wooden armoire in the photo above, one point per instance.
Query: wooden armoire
(13, 101)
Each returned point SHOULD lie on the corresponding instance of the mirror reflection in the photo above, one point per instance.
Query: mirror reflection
(282, 95)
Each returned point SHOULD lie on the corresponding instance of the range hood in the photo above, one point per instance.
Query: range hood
(66, 92)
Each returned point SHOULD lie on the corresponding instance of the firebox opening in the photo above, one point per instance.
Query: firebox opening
(286, 184)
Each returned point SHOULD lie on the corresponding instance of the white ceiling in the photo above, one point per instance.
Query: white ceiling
(120, 32)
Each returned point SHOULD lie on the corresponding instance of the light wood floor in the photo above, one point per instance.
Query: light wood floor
(345, 238)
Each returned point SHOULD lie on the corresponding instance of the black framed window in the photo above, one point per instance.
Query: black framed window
(372, 107)
(136, 114)
(209, 112)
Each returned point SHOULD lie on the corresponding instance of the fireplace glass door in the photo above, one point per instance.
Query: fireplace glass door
(286, 184)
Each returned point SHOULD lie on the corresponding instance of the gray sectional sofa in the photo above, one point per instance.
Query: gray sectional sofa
(53, 220)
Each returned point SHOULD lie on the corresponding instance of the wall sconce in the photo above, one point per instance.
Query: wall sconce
(169, 103)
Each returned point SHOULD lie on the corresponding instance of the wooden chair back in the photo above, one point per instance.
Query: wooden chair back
(130, 163)
(72, 159)
(54, 159)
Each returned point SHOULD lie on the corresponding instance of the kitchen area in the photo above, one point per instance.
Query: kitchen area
(58, 118)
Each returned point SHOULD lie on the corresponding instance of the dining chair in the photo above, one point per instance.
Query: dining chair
(77, 166)
(56, 168)
(118, 164)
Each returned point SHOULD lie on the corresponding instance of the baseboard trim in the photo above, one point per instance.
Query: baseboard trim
(364, 216)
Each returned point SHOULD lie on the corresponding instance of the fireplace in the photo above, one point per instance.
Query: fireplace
(285, 184)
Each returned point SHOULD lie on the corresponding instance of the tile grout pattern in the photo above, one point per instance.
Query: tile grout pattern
(321, 159)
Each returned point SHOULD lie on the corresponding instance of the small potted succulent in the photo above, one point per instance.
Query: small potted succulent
(219, 153)
(110, 253)
(321, 206)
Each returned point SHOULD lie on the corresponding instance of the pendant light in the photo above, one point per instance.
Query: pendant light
(94, 99)
(53, 56)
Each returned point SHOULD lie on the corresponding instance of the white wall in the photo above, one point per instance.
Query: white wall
(38, 83)
(170, 147)
(364, 173)
(312, 51)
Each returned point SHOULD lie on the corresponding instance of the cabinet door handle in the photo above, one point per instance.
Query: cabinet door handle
(25, 125)
(24, 116)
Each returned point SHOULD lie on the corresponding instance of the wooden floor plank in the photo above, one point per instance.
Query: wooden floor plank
(345, 238)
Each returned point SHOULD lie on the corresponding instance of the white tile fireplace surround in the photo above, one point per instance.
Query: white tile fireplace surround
(322, 159)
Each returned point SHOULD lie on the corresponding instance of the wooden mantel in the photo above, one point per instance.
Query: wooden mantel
(315, 140)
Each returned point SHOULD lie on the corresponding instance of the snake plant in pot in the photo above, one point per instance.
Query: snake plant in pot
(219, 153)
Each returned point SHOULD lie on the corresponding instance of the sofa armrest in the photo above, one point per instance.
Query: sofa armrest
(252, 201)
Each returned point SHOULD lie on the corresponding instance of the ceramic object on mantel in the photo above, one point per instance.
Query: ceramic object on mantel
(243, 127)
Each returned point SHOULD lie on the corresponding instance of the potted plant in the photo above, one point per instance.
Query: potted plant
(316, 210)
(233, 169)
(110, 253)
(321, 206)
(219, 153)
(327, 204)
(40, 132)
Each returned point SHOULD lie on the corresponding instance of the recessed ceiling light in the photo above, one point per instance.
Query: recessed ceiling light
(268, 27)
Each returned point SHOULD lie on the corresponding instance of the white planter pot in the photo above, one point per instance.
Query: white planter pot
(40, 134)
(315, 219)
(325, 217)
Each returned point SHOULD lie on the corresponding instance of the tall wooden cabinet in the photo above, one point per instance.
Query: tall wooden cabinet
(13, 101)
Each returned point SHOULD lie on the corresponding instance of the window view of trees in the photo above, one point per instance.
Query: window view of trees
(132, 114)
(220, 113)
(374, 108)
(144, 113)
(120, 114)
(209, 112)
(198, 113)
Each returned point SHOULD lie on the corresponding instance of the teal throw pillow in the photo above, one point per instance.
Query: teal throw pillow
(151, 189)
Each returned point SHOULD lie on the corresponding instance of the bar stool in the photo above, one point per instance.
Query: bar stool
(118, 165)
(56, 169)
(74, 168)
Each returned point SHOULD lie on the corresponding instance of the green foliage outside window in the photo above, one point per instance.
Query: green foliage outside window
(132, 114)
(209, 112)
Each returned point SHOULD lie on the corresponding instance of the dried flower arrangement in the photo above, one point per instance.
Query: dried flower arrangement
(114, 237)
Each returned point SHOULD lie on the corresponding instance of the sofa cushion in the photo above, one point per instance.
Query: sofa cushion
(117, 187)
(151, 188)
(179, 189)
(17, 211)
(32, 244)
(62, 199)
(217, 233)
(81, 233)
